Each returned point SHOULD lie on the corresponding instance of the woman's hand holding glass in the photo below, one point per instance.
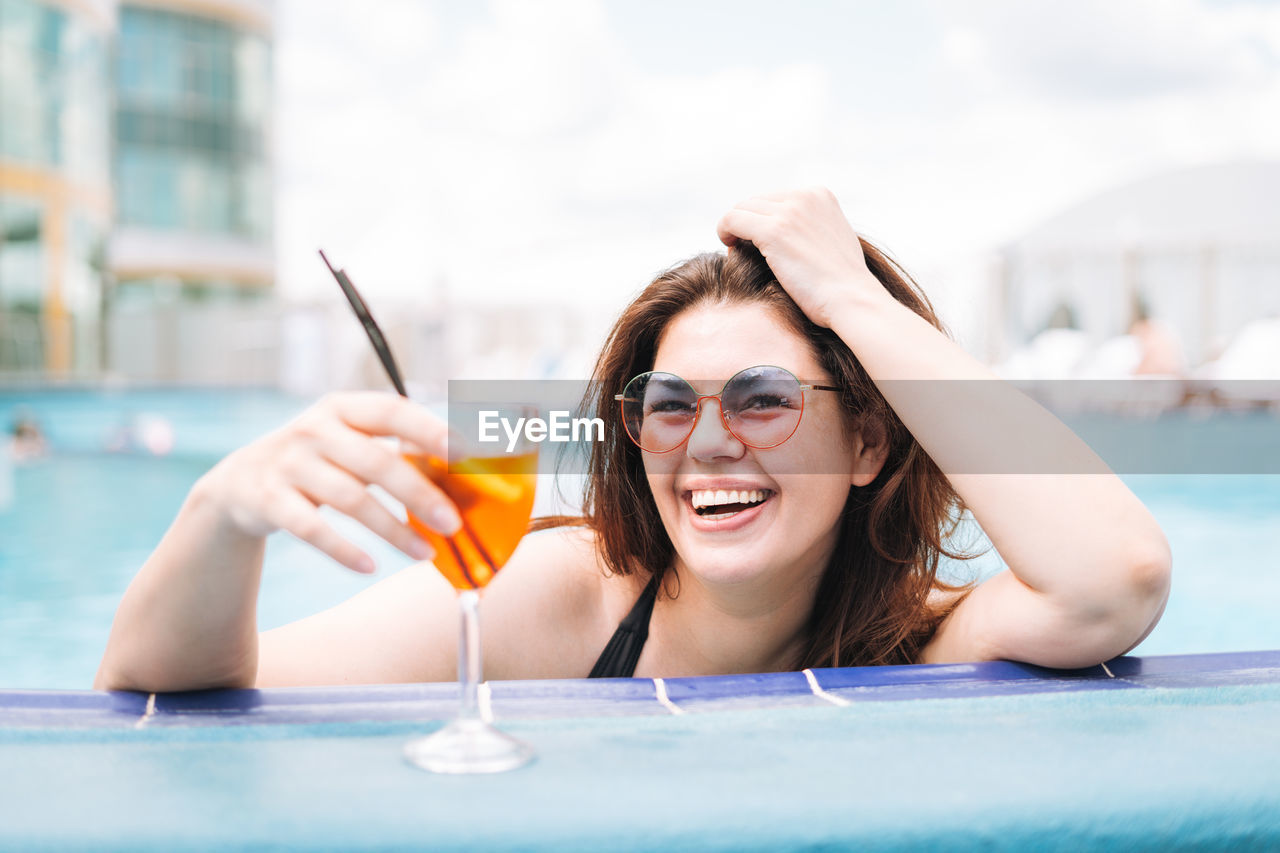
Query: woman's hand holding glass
(329, 456)
(811, 248)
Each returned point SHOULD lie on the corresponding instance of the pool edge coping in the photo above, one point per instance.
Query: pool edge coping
(23, 708)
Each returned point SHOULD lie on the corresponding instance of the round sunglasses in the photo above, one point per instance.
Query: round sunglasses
(760, 406)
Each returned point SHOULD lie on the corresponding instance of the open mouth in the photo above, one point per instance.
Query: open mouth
(715, 504)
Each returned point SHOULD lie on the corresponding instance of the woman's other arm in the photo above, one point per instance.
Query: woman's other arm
(1089, 566)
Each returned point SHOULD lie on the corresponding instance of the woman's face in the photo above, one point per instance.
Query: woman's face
(787, 537)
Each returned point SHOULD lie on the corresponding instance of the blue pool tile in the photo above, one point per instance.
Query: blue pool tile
(755, 684)
(1164, 665)
(63, 718)
(208, 702)
(941, 681)
(574, 698)
(306, 705)
(313, 715)
(121, 701)
(725, 692)
(75, 708)
(970, 689)
(942, 674)
(1004, 677)
(1214, 678)
(612, 689)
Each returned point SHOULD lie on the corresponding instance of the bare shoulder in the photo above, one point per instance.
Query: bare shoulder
(551, 610)
(941, 599)
(560, 565)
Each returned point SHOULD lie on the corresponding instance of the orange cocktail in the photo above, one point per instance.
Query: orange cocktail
(493, 492)
(494, 496)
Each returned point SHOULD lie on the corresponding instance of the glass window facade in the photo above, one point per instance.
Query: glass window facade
(192, 110)
(55, 84)
(123, 114)
(22, 254)
(54, 179)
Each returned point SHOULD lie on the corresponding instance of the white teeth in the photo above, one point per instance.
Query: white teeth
(719, 497)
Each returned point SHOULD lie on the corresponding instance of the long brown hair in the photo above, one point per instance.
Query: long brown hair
(872, 601)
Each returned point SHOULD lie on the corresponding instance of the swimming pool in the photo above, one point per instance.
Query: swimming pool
(1155, 754)
(82, 521)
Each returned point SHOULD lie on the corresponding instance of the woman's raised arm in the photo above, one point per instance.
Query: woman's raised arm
(1089, 566)
(188, 619)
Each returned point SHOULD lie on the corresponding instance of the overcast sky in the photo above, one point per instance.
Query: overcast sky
(568, 150)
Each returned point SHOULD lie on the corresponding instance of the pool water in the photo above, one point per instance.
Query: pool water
(81, 521)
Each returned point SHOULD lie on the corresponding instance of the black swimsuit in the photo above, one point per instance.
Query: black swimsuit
(618, 660)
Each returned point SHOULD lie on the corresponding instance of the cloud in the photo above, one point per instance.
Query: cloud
(531, 71)
(537, 152)
(1094, 49)
(525, 140)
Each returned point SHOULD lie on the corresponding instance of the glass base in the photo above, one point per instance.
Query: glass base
(468, 746)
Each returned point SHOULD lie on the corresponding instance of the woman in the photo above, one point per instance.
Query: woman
(820, 549)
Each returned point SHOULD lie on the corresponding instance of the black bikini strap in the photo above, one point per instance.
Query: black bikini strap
(619, 658)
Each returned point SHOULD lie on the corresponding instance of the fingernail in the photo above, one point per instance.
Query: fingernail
(420, 550)
(366, 565)
(445, 520)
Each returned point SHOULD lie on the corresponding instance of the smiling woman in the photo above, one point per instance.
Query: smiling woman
(800, 526)
(821, 534)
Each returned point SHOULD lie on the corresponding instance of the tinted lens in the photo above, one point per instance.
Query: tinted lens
(762, 405)
(659, 410)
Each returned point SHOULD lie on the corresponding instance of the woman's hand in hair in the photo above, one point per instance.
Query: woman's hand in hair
(811, 248)
(329, 456)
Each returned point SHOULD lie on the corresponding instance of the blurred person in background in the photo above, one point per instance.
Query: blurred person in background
(1160, 353)
(26, 437)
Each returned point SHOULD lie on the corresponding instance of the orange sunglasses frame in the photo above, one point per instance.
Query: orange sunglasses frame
(622, 401)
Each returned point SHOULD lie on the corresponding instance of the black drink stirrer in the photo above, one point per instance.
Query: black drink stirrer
(370, 325)
(384, 355)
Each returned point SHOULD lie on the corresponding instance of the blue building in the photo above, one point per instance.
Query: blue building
(55, 192)
(135, 177)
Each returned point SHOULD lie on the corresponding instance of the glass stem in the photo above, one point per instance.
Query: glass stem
(469, 654)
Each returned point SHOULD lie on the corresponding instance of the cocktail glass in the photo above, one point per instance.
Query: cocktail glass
(493, 491)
